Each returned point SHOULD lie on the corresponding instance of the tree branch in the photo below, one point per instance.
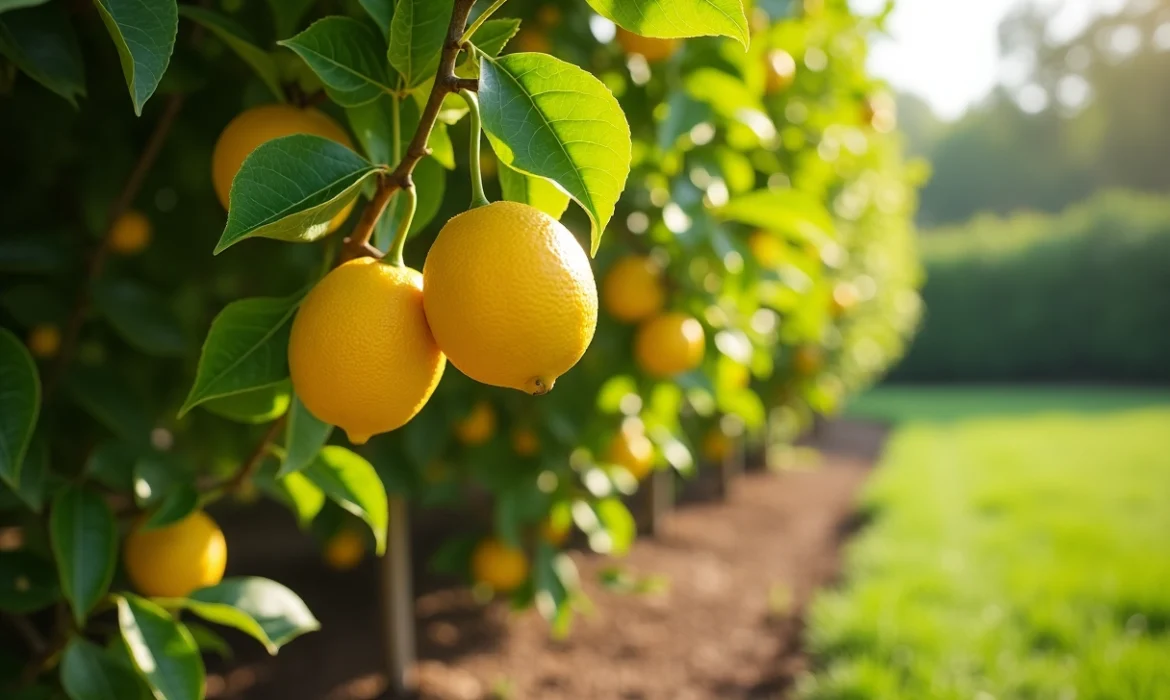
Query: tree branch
(250, 465)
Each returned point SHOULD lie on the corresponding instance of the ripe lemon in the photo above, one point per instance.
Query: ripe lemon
(716, 446)
(44, 341)
(806, 360)
(175, 560)
(525, 442)
(344, 550)
(130, 233)
(768, 250)
(478, 426)
(633, 289)
(632, 450)
(502, 567)
(779, 71)
(669, 344)
(653, 50)
(360, 353)
(262, 124)
(510, 296)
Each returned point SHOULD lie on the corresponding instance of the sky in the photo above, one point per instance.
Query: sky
(946, 51)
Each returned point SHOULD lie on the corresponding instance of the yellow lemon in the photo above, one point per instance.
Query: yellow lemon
(653, 50)
(344, 550)
(262, 124)
(633, 289)
(716, 446)
(175, 560)
(779, 71)
(130, 233)
(767, 249)
(525, 442)
(502, 567)
(510, 296)
(806, 360)
(632, 450)
(44, 341)
(669, 344)
(478, 426)
(360, 353)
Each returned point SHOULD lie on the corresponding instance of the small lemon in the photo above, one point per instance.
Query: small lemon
(767, 249)
(510, 296)
(632, 450)
(130, 233)
(716, 446)
(175, 560)
(344, 550)
(44, 341)
(653, 50)
(478, 426)
(525, 442)
(633, 289)
(259, 125)
(502, 567)
(360, 353)
(779, 71)
(669, 344)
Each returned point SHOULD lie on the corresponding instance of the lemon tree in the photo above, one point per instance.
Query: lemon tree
(348, 254)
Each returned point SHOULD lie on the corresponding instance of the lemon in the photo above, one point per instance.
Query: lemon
(806, 360)
(175, 560)
(262, 124)
(669, 344)
(653, 50)
(716, 446)
(344, 550)
(478, 426)
(525, 442)
(633, 289)
(779, 71)
(510, 296)
(502, 567)
(632, 450)
(130, 233)
(767, 249)
(360, 353)
(44, 341)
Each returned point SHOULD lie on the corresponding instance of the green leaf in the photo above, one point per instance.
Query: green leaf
(300, 494)
(618, 524)
(442, 150)
(304, 436)
(6, 5)
(85, 543)
(261, 405)
(34, 473)
(157, 475)
(789, 212)
(494, 34)
(239, 40)
(179, 502)
(348, 57)
(144, 34)
(112, 465)
(208, 641)
(417, 33)
(27, 582)
(105, 397)
(353, 484)
(89, 672)
(20, 403)
(246, 349)
(41, 42)
(551, 119)
(381, 11)
(140, 317)
(265, 610)
(290, 189)
(371, 123)
(162, 649)
(678, 19)
(288, 14)
(534, 191)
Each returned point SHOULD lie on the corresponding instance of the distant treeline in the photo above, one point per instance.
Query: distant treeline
(1080, 296)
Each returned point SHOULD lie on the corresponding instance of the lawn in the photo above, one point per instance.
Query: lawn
(1013, 557)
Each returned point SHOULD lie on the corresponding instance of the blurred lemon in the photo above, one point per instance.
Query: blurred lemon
(44, 340)
(130, 233)
(478, 426)
(173, 561)
(344, 550)
(669, 344)
(653, 50)
(632, 450)
(496, 564)
(632, 289)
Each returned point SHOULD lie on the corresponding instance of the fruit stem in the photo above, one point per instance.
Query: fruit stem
(483, 17)
(478, 199)
(411, 198)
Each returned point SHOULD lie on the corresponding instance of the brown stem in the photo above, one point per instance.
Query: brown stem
(357, 245)
(251, 464)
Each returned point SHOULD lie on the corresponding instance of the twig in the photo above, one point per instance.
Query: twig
(357, 245)
(249, 466)
(20, 623)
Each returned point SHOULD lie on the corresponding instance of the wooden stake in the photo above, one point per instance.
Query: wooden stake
(398, 604)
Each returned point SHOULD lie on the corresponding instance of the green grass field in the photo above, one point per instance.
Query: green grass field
(1025, 556)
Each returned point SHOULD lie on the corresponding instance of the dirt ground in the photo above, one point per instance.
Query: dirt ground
(726, 623)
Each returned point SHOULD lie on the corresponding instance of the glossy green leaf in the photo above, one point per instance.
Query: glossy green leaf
(618, 524)
(381, 11)
(678, 19)
(301, 495)
(144, 33)
(352, 482)
(156, 476)
(789, 212)
(41, 42)
(265, 610)
(304, 436)
(534, 191)
(257, 406)
(89, 672)
(104, 396)
(162, 650)
(239, 40)
(246, 349)
(34, 474)
(177, 504)
(551, 119)
(20, 403)
(288, 14)
(348, 57)
(417, 33)
(111, 464)
(290, 189)
(494, 34)
(208, 641)
(85, 544)
(140, 317)
(27, 582)
(6, 5)
(372, 124)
